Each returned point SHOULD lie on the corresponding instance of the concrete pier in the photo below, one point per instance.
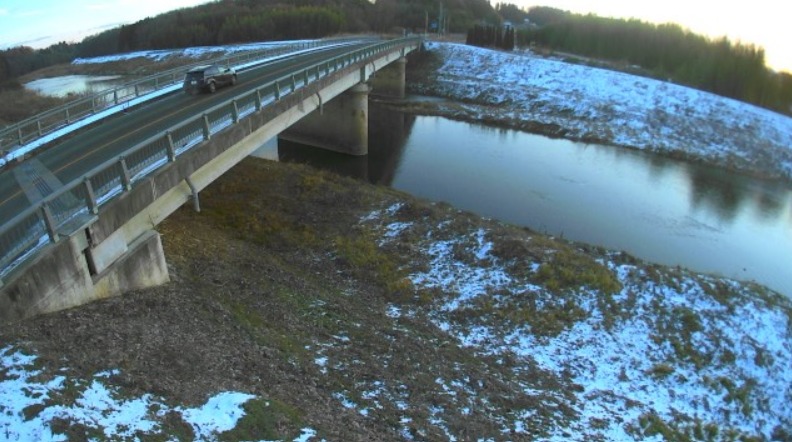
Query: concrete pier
(390, 81)
(340, 125)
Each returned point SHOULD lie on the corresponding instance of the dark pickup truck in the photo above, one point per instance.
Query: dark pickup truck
(208, 78)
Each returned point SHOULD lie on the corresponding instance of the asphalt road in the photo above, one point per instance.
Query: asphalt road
(74, 157)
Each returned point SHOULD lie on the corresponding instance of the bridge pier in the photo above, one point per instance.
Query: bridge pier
(390, 81)
(340, 125)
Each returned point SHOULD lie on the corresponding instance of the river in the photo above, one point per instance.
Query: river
(75, 84)
(658, 209)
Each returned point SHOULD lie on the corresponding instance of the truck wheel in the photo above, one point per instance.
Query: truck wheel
(212, 87)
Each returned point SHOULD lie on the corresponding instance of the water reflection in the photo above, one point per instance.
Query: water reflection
(75, 84)
(656, 208)
(714, 190)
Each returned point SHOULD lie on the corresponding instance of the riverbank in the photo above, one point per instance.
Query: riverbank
(331, 309)
(528, 92)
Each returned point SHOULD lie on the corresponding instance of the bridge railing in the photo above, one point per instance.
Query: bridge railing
(18, 135)
(66, 210)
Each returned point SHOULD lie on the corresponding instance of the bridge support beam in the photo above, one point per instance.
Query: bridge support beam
(390, 81)
(340, 125)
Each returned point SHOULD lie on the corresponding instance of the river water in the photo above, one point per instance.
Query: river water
(661, 210)
(75, 84)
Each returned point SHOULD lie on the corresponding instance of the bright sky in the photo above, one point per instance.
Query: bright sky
(766, 23)
(40, 23)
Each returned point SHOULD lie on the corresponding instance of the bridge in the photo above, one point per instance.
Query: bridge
(77, 216)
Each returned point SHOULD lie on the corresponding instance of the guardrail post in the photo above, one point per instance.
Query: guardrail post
(277, 90)
(305, 76)
(294, 83)
(49, 222)
(90, 196)
(207, 133)
(258, 100)
(137, 91)
(126, 181)
(19, 135)
(115, 96)
(93, 105)
(170, 148)
(68, 118)
(38, 126)
(234, 111)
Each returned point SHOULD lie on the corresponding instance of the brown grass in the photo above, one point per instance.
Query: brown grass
(19, 104)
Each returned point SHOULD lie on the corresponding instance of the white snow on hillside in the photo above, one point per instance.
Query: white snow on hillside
(623, 109)
(27, 410)
(196, 52)
(678, 350)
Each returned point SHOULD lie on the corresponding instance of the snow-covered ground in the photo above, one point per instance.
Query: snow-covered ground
(671, 349)
(590, 103)
(28, 413)
(196, 52)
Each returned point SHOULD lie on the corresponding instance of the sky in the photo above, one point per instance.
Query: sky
(39, 23)
(764, 23)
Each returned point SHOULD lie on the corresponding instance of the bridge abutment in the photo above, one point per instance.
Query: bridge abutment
(340, 125)
(66, 277)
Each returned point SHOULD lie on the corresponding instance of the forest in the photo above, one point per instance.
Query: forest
(666, 51)
(242, 21)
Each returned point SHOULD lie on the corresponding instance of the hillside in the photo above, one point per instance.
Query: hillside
(666, 51)
(527, 91)
(305, 306)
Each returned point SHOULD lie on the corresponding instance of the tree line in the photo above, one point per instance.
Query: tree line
(243, 21)
(667, 51)
(502, 37)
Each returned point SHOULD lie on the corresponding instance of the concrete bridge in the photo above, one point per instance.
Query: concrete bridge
(85, 229)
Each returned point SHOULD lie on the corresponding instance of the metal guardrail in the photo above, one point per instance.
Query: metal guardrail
(18, 135)
(64, 211)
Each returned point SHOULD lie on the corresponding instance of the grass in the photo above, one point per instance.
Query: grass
(365, 259)
(571, 270)
(266, 419)
(661, 371)
(18, 104)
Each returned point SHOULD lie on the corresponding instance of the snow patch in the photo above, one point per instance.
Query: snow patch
(27, 406)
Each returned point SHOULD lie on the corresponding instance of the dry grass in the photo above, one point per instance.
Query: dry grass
(19, 104)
